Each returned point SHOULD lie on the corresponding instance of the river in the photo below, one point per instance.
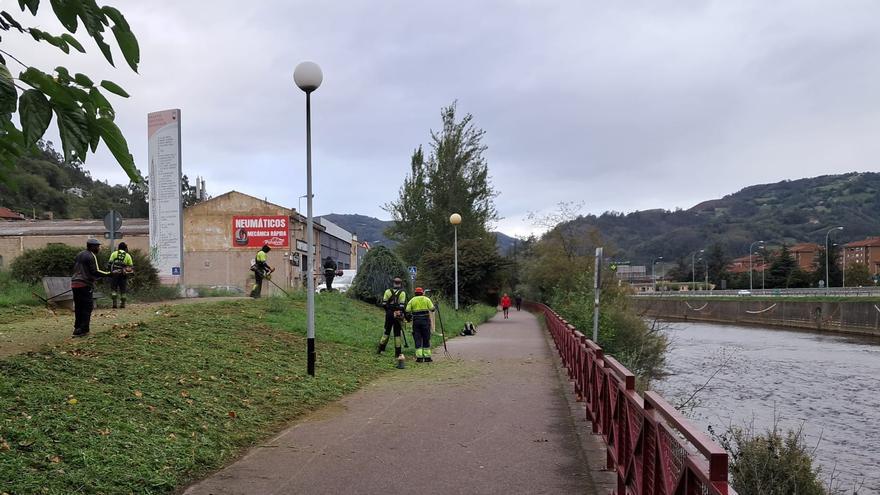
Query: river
(830, 383)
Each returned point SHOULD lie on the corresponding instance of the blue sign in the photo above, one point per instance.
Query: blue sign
(175, 270)
(412, 273)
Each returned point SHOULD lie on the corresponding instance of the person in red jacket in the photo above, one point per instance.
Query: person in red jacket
(505, 305)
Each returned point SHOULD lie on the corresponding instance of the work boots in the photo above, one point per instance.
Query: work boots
(400, 362)
(114, 302)
(122, 303)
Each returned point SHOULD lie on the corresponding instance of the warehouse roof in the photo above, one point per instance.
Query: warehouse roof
(130, 226)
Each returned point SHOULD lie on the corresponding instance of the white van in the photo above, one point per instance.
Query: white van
(341, 283)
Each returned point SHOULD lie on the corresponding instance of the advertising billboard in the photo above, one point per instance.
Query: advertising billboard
(255, 231)
(166, 208)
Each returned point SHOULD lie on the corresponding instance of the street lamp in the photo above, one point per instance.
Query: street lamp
(308, 77)
(751, 255)
(827, 280)
(455, 219)
(706, 271)
(653, 272)
(694, 270)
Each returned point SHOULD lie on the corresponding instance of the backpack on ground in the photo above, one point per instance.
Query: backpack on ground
(469, 329)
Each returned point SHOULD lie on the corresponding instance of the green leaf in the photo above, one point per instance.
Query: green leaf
(65, 11)
(35, 115)
(74, 131)
(105, 48)
(73, 42)
(36, 34)
(11, 20)
(83, 80)
(92, 17)
(63, 75)
(115, 142)
(100, 101)
(56, 41)
(116, 16)
(45, 83)
(31, 5)
(8, 93)
(113, 88)
(129, 46)
(94, 131)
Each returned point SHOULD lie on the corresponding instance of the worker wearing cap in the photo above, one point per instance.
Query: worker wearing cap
(261, 270)
(394, 301)
(419, 308)
(82, 284)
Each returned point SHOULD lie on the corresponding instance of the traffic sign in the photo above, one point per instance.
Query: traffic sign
(412, 273)
(112, 221)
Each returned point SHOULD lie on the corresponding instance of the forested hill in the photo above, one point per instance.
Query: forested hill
(372, 230)
(46, 183)
(785, 212)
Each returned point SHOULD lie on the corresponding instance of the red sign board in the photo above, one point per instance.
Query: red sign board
(260, 230)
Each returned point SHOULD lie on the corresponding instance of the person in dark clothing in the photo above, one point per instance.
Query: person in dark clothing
(517, 300)
(82, 284)
(261, 270)
(329, 272)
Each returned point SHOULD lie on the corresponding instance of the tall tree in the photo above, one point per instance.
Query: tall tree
(453, 179)
(858, 275)
(783, 269)
(835, 275)
(717, 262)
(82, 112)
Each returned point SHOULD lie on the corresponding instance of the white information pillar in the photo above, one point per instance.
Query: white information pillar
(166, 201)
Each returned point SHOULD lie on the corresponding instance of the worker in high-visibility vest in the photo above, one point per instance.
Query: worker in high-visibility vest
(394, 302)
(121, 266)
(261, 270)
(419, 309)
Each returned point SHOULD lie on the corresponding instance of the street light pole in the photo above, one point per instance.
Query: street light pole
(693, 269)
(308, 77)
(706, 271)
(827, 255)
(751, 255)
(455, 219)
(653, 271)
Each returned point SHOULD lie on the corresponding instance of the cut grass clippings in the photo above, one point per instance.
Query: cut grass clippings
(154, 404)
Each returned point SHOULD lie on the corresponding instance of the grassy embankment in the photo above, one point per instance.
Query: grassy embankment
(153, 404)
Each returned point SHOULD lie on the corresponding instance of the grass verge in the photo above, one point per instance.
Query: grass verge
(152, 404)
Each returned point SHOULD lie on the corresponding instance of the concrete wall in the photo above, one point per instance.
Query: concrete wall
(847, 317)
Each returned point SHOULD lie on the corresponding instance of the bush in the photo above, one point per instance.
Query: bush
(54, 260)
(773, 463)
(376, 273)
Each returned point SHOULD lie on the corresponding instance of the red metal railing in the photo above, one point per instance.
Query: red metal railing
(651, 447)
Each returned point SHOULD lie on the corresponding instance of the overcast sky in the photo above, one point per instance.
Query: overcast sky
(623, 105)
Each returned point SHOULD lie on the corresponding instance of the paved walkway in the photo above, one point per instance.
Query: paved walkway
(493, 419)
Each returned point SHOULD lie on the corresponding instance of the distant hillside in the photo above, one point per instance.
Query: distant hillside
(372, 230)
(785, 212)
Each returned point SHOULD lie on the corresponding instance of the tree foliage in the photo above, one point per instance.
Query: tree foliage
(453, 179)
(376, 273)
(82, 112)
(717, 261)
(479, 271)
(858, 275)
(56, 260)
(835, 275)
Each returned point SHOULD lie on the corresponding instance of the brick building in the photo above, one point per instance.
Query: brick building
(866, 251)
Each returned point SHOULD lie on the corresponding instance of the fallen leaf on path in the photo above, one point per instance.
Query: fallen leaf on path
(232, 414)
(55, 459)
(138, 394)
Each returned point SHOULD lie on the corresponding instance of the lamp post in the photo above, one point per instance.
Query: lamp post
(827, 255)
(308, 77)
(706, 271)
(455, 219)
(653, 271)
(694, 270)
(751, 255)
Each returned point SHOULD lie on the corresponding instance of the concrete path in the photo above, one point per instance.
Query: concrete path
(493, 419)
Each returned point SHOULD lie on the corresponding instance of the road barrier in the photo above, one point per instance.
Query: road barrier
(651, 447)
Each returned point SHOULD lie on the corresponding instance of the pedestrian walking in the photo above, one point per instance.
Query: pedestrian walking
(121, 266)
(505, 305)
(329, 272)
(82, 284)
(261, 270)
(518, 301)
(419, 309)
(394, 302)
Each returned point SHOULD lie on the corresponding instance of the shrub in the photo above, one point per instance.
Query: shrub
(54, 260)
(773, 463)
(377, 271)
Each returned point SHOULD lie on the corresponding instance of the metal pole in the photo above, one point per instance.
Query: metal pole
(751, 255)
(844, 268)
(597, 290)
(706, 271)
(827, 280)
(310, 243)
(455, 227)
(693, 272)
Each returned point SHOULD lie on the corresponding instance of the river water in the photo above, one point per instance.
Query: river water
(830, 383)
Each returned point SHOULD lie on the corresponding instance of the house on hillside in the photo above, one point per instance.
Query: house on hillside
(744, 263)
(866, 251)
(9, 216)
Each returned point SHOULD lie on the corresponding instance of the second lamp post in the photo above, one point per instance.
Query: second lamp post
(455, 219)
